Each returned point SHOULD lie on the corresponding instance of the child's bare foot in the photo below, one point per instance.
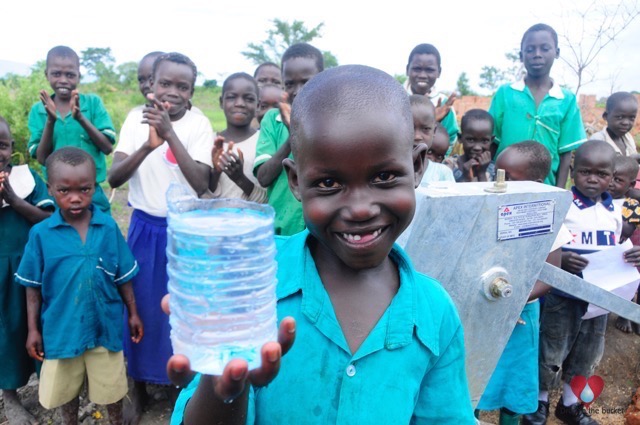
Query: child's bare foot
(14, 410)
(137, 400)
(624, 325)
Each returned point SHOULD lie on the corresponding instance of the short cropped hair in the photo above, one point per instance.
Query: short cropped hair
(540, 27)
(626, 164)
(618, 97)
(538, 158)
(441, 129)
(152, 55)
(263, 65)
(237, 76)
(304, 50)
(350, 89)
(424, 49)
(600, 147)
(418, 99)
(475, 114)
(68, 155)
(177, 58)
(63, 52)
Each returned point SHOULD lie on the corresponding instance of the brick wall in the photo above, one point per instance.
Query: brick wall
(591, 113)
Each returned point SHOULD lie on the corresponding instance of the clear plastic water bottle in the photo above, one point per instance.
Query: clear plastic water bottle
(222, 279)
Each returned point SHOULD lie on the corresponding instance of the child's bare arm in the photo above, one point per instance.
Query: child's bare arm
(563, 170)
(136, 327)
(196, 173)
(98, 138)
(573, 263)
(124, 165)
(540, 288)
(34, 338)
(269, 171)
(45, 147)
(32, 213)
(627, 230)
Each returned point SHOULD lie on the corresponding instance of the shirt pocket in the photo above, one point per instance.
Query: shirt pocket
(106, 288)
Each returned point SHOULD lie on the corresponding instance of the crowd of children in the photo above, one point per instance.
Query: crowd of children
(340, 169)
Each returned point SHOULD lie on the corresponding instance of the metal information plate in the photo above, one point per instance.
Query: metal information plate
(526, 219)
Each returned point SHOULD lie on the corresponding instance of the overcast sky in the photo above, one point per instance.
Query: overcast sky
(468, 34)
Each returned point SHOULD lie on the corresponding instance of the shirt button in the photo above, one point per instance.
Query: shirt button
(351, 370)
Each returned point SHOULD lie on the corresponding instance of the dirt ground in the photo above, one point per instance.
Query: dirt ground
(620, 370)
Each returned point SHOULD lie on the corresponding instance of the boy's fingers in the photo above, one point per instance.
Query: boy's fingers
(271, 354)
(165, 304)
(231, 384)
(179, 370)
(287, 334)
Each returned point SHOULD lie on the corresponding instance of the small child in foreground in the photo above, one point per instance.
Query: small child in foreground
(476, 135)
(24, 201)
(624, 179)
(424, 124)
(569, 344)
(77, 270)
(372, 333)
(514, 382)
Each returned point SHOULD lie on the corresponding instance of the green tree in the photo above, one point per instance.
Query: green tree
(283, 35)
(462, 85)
(128, 74)
(99, 62)
(401, 78)
(493, 77)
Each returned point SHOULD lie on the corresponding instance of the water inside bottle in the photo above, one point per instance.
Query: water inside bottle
(222, 281)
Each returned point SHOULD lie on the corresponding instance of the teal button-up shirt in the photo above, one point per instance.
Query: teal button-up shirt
(81, 306)
(410, 369)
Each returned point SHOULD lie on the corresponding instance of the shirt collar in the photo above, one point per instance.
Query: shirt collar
(98, 218)
(582, 202)
(402, 313)
(554, 91)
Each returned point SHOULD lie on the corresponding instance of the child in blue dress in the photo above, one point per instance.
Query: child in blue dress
(25, 201)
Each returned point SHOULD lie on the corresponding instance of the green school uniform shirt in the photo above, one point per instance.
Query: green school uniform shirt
(556, 122)
(68, 132)
(410, 369)
(273, 134)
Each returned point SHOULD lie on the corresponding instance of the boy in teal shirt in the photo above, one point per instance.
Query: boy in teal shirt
(69, 118)
(377, 342)
(537, 108)
(300, 63)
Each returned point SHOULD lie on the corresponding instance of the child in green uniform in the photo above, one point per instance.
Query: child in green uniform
(69, 118)
(376, 341)
(537, 108)
(300, 63)
(25, 201)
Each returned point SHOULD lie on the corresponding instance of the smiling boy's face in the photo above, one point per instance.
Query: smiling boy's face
(63, 75)
(356, 177)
